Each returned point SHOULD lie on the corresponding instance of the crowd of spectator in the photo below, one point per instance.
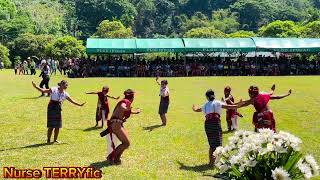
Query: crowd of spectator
(191, 66)
(172, 67)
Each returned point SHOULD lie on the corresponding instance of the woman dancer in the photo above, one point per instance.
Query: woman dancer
(232, 114)
(263, 117)
(103, 109)
(54, 119)
(212, 110)
(164, 100)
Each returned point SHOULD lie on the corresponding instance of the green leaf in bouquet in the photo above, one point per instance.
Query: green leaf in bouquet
(285, 157)
(293, 160)
(235, 171)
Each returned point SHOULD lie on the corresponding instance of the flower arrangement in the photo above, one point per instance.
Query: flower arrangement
(264, 155)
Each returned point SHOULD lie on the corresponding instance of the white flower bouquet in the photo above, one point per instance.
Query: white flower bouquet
(264, 155)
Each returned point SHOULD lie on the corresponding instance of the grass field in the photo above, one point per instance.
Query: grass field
(178, 151)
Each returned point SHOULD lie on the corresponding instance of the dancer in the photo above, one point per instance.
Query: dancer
(54, 119)
(45, 74)
(212, 110)
(231, 114)
(103, 109)
(164, 100)
(263, 117)
(121, 113)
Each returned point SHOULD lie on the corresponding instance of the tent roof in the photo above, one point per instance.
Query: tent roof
(103, 46)
(159, 45)
(288, 44)
(229, 45)
(219, 45)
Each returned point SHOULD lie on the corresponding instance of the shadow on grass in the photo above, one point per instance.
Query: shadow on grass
(99, 165)
(198, 168)
(32, 146)
(151, 128)
(92, 128)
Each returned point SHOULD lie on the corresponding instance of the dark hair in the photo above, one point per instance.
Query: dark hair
(63, 82)
(164, 82)
(253, 90)
(128, 94)
(210, 95)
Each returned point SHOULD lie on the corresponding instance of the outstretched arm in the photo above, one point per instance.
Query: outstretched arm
(92, 93)
(157, 80)
(281, 96)
(227, 106)
(273, 88)
(137, 111)
(74, 102)
(112, 97)
(241, 103)
(41, 89)
(196, 109)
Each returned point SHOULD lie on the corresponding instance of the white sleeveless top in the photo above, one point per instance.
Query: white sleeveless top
(57, 96)
(212, 107)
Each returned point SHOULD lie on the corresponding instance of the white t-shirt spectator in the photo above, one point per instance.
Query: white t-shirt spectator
(212, 107)
(57, 96)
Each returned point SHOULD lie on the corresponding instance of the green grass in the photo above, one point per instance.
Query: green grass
(178, 151)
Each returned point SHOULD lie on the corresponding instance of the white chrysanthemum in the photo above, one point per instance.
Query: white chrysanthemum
(312, 162)
(218, 154)
(280, 174)
(223, 168)
(251, 162)
(236, 159)
(290, 140)
(305, 169)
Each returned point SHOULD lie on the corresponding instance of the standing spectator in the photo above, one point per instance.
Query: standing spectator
(25, 67)
(45, 74)
(16, 67)
(53, 67)
(32, 67)
(1, 64)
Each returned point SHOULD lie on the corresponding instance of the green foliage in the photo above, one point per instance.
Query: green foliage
(242, 34)
(10, 29)
(4, 54)
(205, 32)
(113, 29)
(225, 21)
(280, 29)
(66, 46)
(27, 45)
(47, 17)
(7, 9)
(312, 30)
(92, 12)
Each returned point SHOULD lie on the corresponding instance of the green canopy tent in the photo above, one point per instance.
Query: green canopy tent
(219, 45)
(159, 45)
(111, 46)
(293, 45)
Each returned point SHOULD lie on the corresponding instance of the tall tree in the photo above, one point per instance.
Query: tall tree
(205, 32)
(4, 55)
(280, 29)
(113, 29)
(90, 13)
(64, 47)
(225, 21)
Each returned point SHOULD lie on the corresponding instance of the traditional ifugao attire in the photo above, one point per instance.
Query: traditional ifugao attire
(212, 111)
(54, 119)
(164, 101)
(103, 109)
(232, 115)
(111, 138)
(263, 114)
